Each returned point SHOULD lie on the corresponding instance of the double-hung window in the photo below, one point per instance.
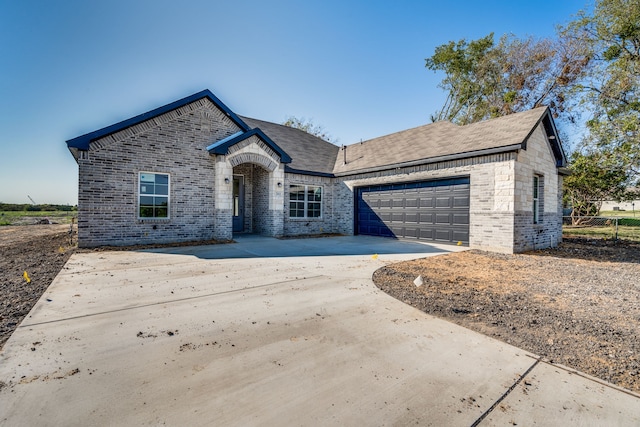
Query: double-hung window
(153, 195)
(537, 195)
(305, 201)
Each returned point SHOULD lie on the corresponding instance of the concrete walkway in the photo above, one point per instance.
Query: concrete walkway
(272, 332)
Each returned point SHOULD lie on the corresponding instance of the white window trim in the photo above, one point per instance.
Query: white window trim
(306, 203)
(147, 218)
(536, 198)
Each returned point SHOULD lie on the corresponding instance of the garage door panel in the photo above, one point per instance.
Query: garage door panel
(443, 219)
(461, 201)
(411, 232)
(443, 235)
(411, 202)
(427, 202)
(460, 219)
(411, 217)
(427, 233)
(385, 216)
(427, 217)
(442, 189)
(399, 217)
(460, 236)
(428, 210)
(397, 231)
(443, 202)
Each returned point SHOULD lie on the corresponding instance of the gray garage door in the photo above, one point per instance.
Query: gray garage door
(428, 210)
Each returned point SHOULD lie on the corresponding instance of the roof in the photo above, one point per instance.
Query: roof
(222, 146)
(308, 153)
(82, 142)
(443, 141)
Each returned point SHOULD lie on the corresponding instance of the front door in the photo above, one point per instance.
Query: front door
(238, 203)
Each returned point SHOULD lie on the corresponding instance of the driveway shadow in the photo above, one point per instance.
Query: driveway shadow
(254, 246)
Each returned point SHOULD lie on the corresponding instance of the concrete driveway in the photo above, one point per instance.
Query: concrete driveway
(272, 332)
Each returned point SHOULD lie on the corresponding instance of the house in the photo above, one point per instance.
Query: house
(195, 170)
(629, 205)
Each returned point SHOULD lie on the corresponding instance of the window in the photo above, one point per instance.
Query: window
(537, 193)
(305, 201)
(153, 195)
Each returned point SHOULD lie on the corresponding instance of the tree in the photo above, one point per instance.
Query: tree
(466, 80)
(308, 126)
(595, 177)
(611, 84)
(486, 80)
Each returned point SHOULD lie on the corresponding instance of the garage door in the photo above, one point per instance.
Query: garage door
(428, 210)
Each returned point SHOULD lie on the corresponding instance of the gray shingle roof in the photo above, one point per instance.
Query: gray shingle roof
(308, 153)
(440, 140)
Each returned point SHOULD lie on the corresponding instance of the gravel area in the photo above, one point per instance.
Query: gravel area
(577, 305)
(41, 251)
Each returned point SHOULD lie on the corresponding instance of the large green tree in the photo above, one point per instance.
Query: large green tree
(484, 79)
(590, 70)
(595, 177)
(610, 87)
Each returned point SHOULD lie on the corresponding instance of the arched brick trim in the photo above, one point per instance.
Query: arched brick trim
(257, 159)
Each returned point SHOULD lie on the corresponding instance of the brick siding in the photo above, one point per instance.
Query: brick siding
(501, 190)
(173, 143)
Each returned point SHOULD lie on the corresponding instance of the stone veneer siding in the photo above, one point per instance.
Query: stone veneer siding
(491, 193)
(537, 159)
(173, 143)
(501, 194)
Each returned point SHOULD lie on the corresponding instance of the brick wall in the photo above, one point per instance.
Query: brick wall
(173, 143)
(337, 207)
(501, 191)
(263, 218)
(537, 159)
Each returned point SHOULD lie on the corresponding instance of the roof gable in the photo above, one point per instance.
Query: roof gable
(82, 142)
(222, 146)
(442, 141)
(554, 140)
(309, 154)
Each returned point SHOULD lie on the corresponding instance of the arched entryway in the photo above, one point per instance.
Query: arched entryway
(252, 190)
(249, 195)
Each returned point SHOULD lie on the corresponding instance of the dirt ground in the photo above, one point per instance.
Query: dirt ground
(578, 305)
(41, 251)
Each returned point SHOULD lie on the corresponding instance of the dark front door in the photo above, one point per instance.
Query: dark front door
(238, 204)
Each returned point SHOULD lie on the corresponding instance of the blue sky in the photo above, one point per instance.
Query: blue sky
(354, 67)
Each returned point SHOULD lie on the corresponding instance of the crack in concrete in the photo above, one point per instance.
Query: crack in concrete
(506, 393)
(171, 301)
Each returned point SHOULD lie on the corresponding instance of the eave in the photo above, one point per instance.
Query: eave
(83, 142)
(222, 147)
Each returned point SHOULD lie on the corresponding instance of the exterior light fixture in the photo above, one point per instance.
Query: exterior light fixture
(279, 184)
(226, 180)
